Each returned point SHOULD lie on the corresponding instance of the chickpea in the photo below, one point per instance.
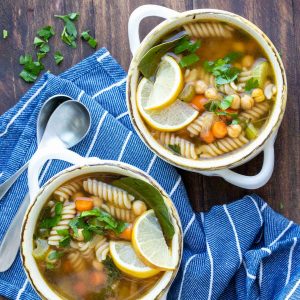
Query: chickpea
(234, 130)
(97, 201)
(200, 87)
(191, 75)
(247, 102)
(247, 61)
(211, 93)
(236, 102)
(139, 207)
(258, 95)
(238, 46)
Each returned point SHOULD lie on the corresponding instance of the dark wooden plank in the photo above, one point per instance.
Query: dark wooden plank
(108, 21)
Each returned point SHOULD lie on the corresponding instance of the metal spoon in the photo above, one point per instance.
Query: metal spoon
(46, 110)
(68, 125)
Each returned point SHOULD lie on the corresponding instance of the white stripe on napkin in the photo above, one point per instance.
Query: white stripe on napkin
(293, 290)
(211, 280)
(263, 207)
(260, 274)
(189, 224)
(80, 95)
(184, 271)
(235, 233)
(96, 134)
(151, 163)
(122, 115)
(259, 212)
(175, 186)
(22, 289)
(267, 250)
(22, 109)
(124, 145)
(290, 261)
(282, 233)
(102, 56)
(253, 277)
(109, 87)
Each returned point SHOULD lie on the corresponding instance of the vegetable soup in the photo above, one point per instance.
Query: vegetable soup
(104, 236)
(206, 89)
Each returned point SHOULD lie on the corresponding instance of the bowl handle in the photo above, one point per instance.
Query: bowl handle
(138, 15)
(251, 182)
(40, 158)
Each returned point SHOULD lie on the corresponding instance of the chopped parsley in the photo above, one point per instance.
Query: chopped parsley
(87, 37)
(175, 148)
(46, 33)
(31, 68)
(69, 33)
(226, 102)
(222, 68)
(4, 33)
(188, 60)
(49, 222)
(58, 57)
(251, 84)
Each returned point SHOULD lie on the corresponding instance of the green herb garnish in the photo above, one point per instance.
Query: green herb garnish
(62, 232)
(235, 122)
(65, 241)
(226, 102)
(4, 33)
(251, 84)
(52, 221)
(153, 199)
(31, 68)
(188, 60)
(87, 37)
(54, 255)
(46, 33)
(222, 69)
(69, 33)
(175, 148)
(58, 57)
(113, 272)
(187, 45)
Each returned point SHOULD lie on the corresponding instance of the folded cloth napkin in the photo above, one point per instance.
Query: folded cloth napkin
(242, 250)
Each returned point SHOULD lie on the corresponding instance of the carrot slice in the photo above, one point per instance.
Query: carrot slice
(84, 203)
(207, 137)
(219, 129)
(198, 102)
(126, 234)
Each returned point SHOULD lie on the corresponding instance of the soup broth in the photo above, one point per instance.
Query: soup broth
(74, 235)
(210, 93)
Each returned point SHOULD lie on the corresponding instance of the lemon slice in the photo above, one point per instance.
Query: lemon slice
(127, 261)
(172, 118)
(149, 242)
(167, 86)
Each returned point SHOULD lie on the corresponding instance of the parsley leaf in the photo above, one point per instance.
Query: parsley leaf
(251, 84)
(175, 148)
(187, 45)
(188, 60)
(46, 32)
(31, 68)
(62, 232)
(222, 69)
(226, 102)
(58, 57)
(87, 37)
(69, 33)
(54, 255)
(38, 42)
(65, 241)
(113, 272)
(4, 33)
(53, 221)
(235, 122)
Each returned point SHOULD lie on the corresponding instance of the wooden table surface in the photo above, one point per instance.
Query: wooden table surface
(107, 19)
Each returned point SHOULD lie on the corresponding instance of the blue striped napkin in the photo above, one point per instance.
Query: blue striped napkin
(241, 251)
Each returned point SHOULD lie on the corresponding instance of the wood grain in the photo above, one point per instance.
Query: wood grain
(108, 21)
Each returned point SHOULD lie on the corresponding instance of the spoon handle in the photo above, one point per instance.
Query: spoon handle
(5, 186)
(11, 241)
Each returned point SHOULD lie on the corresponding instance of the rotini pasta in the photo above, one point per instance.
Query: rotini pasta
(68, 213)
(77, 262)
(205, 30)
(245, 75)
(120, 213)
(64, 192)
(231, 88)
(270, 90)
(107, 192)
(206, 77)
(202, 123)
(256, 112)
(222, 146)
(187, 149)
(101, 248)
(87, 250)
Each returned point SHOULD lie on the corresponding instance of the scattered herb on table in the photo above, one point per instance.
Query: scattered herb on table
(46, 33)
(31, 68)
(87, 37)
(69, 33)
(58, 57)
(222, 68)
(4, 33)
(251, 84)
